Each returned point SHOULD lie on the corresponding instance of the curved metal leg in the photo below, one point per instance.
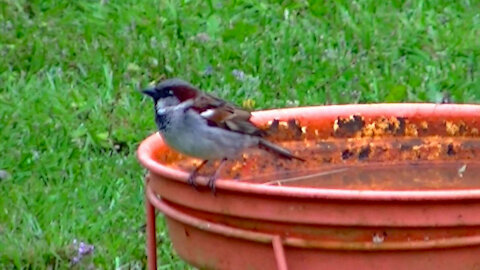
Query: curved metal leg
(150, 233)
(279, 253)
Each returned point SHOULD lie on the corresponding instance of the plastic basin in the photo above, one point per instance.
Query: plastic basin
(402, 193)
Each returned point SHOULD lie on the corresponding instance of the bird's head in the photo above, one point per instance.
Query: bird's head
(171, 92)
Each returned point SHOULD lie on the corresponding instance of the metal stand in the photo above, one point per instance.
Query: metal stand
(152, 202)
(150, 231)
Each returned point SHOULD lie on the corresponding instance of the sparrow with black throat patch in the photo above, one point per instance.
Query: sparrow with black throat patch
(202, 126)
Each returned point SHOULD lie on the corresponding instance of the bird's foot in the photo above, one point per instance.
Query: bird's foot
(211, 183)
(191, 180)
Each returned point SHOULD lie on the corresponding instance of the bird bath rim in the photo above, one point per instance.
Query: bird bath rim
(154, 142)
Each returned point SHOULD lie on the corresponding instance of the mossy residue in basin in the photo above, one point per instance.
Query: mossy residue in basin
(382, 153)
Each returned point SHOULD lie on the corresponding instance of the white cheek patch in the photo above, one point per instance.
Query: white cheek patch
(161, 109)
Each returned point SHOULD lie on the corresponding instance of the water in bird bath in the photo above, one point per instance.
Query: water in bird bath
(407, 176)
(361, 154)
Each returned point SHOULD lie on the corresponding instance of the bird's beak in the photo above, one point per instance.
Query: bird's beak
(149, 92)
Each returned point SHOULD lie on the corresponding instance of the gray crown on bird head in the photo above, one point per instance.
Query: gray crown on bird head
(171, 87)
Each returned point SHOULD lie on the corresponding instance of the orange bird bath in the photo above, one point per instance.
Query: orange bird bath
(385, 186)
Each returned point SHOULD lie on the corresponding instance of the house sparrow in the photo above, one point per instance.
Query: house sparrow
(205, 127)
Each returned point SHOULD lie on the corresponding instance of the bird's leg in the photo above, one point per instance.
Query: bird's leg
(193, 175)
(213, 178)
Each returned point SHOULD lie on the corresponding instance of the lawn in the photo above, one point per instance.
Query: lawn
(71, 116)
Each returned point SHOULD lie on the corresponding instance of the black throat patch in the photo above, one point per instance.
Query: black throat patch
(162, 121)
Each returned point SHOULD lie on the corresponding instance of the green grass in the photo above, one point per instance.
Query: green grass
(71, 117)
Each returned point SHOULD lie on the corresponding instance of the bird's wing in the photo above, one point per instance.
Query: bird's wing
(218, 112)
(225, 115)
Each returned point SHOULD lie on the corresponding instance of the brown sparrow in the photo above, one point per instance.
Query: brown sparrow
(200, 125)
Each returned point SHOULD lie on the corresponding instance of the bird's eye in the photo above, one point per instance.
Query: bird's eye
(170, 92)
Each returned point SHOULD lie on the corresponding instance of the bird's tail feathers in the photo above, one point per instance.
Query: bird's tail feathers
(277, 150)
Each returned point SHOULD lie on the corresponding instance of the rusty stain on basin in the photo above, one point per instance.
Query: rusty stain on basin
(396, 177)
(361, 153)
